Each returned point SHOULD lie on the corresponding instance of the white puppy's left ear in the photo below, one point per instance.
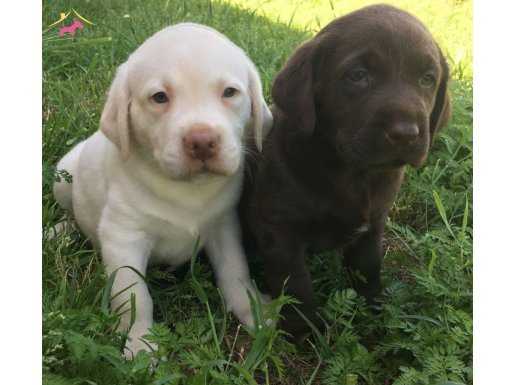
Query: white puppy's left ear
(261, 116)
(114, 122)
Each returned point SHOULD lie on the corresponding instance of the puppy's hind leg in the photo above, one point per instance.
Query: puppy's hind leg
(63, 187)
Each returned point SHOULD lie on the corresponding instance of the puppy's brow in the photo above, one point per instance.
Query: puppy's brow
(351, 59)
(425, 62)
(363, 56)
(227, 80)
(155, 85)
(430, 61)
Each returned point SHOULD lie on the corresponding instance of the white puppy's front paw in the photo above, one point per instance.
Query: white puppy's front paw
(135, 343)
(241, 308)
(265, 298)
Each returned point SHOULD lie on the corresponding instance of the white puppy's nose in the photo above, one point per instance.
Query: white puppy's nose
(201, 142)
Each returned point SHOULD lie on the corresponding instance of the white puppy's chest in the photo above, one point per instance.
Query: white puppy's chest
(177, 214)
(175, 234)
(173, 245)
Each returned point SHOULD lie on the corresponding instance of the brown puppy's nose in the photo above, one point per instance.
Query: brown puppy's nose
(402, 132)
(201, 143)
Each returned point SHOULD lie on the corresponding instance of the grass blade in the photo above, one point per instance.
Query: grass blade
(441, 210)
(326, 350)
(106, 296)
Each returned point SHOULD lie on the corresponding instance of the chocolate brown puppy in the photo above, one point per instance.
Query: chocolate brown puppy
(352, 107)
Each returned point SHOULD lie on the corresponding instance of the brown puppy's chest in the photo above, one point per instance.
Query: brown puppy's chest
(347, 211)
(334, 232)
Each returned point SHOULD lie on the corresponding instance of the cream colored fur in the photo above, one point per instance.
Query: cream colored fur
(136, 194)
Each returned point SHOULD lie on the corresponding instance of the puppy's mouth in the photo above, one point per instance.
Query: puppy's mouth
(413, 161)
(415, 156)
(396, 163)
(417, 162)
(197, 171)
(208, 168)
(390, 159)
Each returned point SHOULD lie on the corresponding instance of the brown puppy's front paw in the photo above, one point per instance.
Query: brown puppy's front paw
(300, 327)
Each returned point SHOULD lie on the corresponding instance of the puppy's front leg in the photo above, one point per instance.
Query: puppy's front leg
(284, 261)
(223, 246)
(123, 247)
(364, 258)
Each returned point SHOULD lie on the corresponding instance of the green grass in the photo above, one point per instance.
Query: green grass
(422, 337)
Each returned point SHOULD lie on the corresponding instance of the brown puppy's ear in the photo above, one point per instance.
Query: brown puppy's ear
(442, 108)
(292, 90)
(114, 122)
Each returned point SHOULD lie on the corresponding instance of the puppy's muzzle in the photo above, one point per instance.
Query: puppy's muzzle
(407, 142)
(201, 143)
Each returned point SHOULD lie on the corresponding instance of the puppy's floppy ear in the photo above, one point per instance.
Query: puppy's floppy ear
(114, 122)
(292, 90)
(261, 116)
(442, 108)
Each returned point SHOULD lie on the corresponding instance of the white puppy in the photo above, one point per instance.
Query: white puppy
(166, 166)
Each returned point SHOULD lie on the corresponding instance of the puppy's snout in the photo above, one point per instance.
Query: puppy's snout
(402, 132)
(201, 143)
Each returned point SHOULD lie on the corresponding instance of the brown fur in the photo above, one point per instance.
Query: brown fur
(334, 160)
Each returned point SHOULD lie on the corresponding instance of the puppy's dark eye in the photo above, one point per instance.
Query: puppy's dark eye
(229, 92)
(428, 80)
(359, 77)
(160, 97)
